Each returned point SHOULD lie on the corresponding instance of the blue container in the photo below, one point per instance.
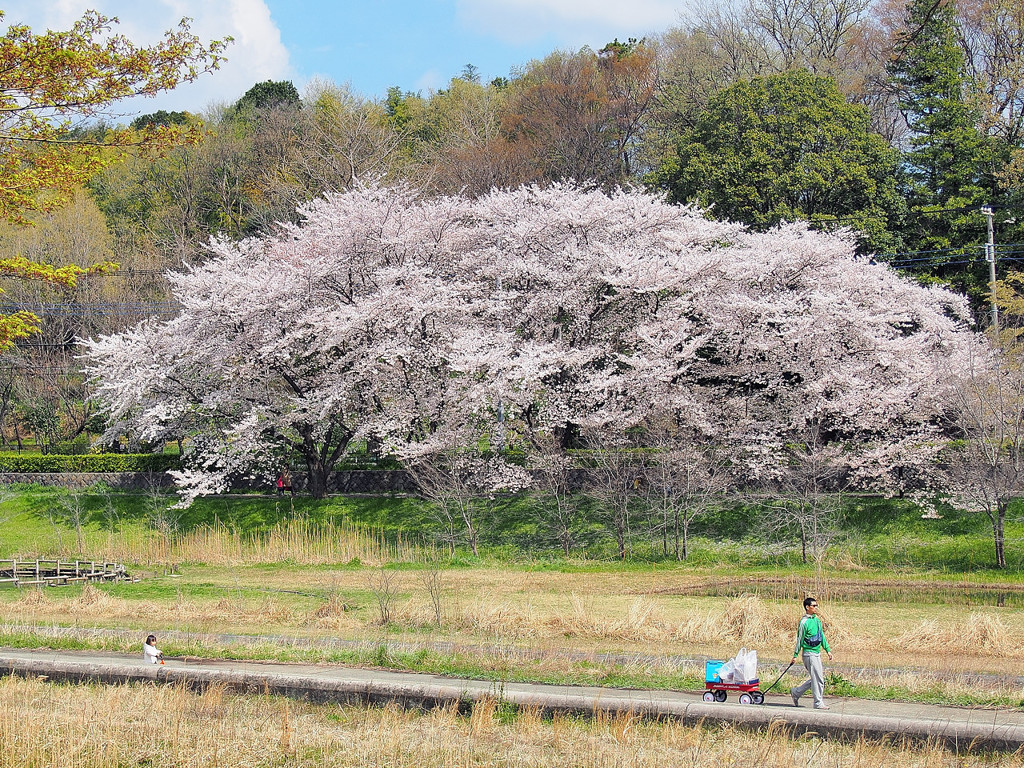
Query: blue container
(711, 670)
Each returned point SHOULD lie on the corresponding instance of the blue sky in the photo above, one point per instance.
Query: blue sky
(417, 45)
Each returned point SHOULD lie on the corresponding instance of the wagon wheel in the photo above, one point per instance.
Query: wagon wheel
(758, 697)
(720, 696)
(709, 696)
(745, 698)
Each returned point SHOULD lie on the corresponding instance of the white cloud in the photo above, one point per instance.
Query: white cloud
(571, 22)
(257, 53)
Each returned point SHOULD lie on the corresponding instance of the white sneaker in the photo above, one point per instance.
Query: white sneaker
(795, 696)
(822, 706)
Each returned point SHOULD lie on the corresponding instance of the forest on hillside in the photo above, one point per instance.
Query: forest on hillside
(898, 121)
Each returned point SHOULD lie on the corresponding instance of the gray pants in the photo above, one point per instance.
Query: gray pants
(812, 663)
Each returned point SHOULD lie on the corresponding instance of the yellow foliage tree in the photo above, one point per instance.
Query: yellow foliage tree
(49, 80)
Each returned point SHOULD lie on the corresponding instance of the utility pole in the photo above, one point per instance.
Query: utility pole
(990, 256)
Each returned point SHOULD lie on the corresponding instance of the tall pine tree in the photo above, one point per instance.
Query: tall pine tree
(945, 153)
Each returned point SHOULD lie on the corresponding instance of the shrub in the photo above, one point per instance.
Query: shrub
(92, 462)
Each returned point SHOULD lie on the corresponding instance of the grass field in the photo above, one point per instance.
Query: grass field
(876, 533)
(344, 570)
(517, 623)
(142, 725)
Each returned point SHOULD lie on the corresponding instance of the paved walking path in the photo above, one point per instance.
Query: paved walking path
(959, 728)
(509, 652)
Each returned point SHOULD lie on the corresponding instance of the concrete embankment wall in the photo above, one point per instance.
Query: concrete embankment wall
(134, 481)
(355, 481)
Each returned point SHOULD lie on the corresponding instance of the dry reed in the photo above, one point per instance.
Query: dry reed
(749, 621)
(299, 541)
(543, 612)
(499, 620)
(641, 622)
(111, 727)
(93, 603)
(981, 634)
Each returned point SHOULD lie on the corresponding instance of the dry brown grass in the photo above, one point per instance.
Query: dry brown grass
(640, 622)
(746, 620)
(94, 604)
(957, 685)
(499, 620)
(979, 634)
(134, 725)
(619, 613)
(297, 541)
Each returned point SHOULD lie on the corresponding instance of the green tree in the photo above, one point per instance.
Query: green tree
(161, 117)
(268, 94)
(459, 142)
(946, 156)
(400, 107)
(787, 147)
(46, 82)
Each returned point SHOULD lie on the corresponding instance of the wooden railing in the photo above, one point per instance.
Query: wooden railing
(23, 573)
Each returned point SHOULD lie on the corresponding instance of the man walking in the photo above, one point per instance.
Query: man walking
(810, 638)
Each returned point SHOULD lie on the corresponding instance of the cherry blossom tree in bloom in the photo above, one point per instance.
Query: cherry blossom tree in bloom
(301, 341)
(388, 316)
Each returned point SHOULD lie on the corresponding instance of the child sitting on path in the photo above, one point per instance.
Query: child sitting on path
(150, 653)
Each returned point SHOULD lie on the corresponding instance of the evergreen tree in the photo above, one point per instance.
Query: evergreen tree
(269, 94)
(787, 147)
(945, 154)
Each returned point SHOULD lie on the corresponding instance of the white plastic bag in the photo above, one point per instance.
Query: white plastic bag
(737, 666)
(744, 666)
(750, 666)
(725, 674)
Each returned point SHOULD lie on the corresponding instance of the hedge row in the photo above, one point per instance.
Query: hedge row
(90, 462)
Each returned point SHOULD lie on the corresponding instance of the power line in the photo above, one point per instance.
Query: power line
(950, 249)
(124, 273)
(930, 259)
(93, 275)
(942, 264)
(929, 212)
(90, 308)
(934, 211)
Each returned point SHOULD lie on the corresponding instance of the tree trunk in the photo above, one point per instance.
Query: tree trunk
(680, 554)
(322, 458)
(997, 531)
(686, 538)
(620, 534)
(469, 520)
(564, 530)
(316, 474)
(664, 534)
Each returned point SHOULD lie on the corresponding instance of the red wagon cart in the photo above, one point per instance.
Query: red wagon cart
(717, 689)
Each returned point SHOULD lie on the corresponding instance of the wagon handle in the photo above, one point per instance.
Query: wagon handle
(778, 678)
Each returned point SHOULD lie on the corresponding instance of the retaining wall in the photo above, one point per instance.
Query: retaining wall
(123, 480)
(356, 481)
